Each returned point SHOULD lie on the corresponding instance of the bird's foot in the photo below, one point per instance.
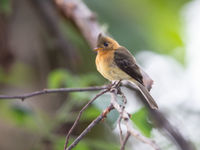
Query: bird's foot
(117, 83)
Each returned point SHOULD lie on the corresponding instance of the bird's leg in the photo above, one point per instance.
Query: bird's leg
(116, 83)
(112, 84)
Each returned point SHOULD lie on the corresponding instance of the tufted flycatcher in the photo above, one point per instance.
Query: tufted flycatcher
(115, 62)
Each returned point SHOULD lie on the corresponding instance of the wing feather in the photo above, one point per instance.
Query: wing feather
(126, 62)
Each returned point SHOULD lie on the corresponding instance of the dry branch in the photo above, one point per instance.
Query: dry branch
(161, 122)
(80, 113)
(84, 19)
(157, 116)
(125, 141)
(125, 116)
(91, 125)
(48, 91)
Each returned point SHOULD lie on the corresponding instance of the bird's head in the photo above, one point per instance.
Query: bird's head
(106, 43)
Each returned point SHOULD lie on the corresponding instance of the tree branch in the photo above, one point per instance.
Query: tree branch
(48, 91)
(80, 113)
(125, 141)
(157, 116)
(161, 122)
(120, 130)
(126, 119)
(84, 19)
(91, 125)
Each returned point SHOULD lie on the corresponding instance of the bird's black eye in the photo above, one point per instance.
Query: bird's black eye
(105, 44)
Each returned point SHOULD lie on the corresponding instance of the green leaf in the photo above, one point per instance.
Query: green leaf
(5, 6)
(90, 113)
(140, 119)
(90, 79)
(59, 144)
(18, 115)
(80, 96)
(82, 145)
(60, 78)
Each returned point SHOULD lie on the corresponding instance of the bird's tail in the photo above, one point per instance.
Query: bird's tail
(146, 95)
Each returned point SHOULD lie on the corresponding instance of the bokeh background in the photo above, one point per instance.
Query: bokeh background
(40, 48)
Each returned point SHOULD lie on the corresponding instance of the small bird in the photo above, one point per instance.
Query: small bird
(115, 63)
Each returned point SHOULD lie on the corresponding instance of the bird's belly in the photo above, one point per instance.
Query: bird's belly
(109, 69)
(117, 74)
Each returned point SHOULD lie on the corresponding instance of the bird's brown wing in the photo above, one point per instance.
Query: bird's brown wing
(126, 62)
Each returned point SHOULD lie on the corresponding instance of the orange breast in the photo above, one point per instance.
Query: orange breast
(106, 66)
(104, 61)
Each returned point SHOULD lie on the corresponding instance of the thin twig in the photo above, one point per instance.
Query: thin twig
(48, 91)
(161, 122)
(116, 105)
(125, 141)
(123, 98)
(120, 130)
(126, 119)
(80, 113)
(139, 136)
(91, 125)
(124, 101)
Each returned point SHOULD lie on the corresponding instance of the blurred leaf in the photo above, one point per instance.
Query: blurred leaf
(63, 77)
(90, 114)
(140, 119)
(18, 115)
(60, 142)
(5, 6)
(84, 80)
(80, 96)
(60, 78)
(87, 144)
(89, 79)
(81, 146)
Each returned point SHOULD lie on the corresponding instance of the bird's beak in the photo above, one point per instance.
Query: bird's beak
(97, 49)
